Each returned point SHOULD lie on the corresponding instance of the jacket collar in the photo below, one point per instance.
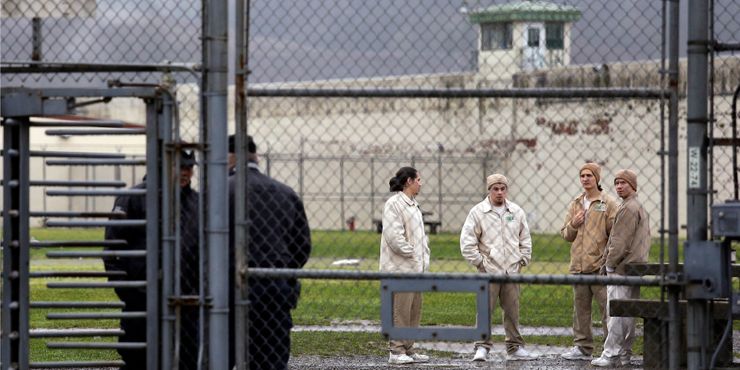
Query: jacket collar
(602, 197)
(253, 166)
(633, 196)
(407, 200)
(489, 207)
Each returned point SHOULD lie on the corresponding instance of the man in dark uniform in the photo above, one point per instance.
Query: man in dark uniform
(231, 166)
(134, 207)
(279, 237)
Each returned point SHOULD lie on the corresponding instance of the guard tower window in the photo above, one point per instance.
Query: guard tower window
(554, 35)
(533, 37)
(495, 36)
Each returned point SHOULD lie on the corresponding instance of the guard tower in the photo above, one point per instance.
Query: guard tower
(523, 36)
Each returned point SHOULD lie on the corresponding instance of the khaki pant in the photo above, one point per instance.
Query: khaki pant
(621, 329)
(582, 297)
(406, 314)
(509, 301)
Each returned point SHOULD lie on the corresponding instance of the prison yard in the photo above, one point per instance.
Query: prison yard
(337, 317)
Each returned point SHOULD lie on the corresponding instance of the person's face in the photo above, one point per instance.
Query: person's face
(232, 160)
(414, 185)
(624, 189)
(497, 193)
(186, 173)
(588, 180)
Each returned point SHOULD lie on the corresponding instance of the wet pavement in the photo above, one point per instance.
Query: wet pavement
(496, 361)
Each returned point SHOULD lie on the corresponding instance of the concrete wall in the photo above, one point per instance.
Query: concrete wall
(341, 152)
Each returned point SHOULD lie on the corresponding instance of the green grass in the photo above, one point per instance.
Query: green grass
(325, 302)
(549, 248)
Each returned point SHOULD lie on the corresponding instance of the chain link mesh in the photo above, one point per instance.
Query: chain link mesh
(339, 152)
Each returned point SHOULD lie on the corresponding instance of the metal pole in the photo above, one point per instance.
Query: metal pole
(697, 51)
(152, 235)
(301, 163)
(341, 191)
(36, 39)
(168, 239)
(215, 77)
(15, 302)
(674, 323)
(241, 231)
(372, 187)
(439, 187)
(735, 169)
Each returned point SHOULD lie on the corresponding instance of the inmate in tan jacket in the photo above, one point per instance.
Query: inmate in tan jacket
(589, 240)
(629, 240)
(403, 244)
(499, 244)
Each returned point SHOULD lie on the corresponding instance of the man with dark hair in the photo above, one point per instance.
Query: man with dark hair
(251, 153)
(278, 237)
(133, 207)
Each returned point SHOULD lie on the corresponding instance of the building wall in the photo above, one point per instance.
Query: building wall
(340, 153)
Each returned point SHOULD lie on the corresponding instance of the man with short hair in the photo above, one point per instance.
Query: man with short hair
(495, 239)
(629, 242)
(278, 237)
(587, 226)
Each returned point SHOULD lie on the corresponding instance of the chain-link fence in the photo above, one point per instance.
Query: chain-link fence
(357, 91)
(343, 94)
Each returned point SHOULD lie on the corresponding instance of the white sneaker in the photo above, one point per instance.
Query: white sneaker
(400, 359)
(604, 361)
(521, 354)
(481, 354)
(575, 353)
(417, 357)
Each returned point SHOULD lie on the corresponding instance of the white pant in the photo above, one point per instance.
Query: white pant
(621, 329)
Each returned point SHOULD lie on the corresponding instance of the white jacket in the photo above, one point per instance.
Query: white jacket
(403, 245)
(494, 243)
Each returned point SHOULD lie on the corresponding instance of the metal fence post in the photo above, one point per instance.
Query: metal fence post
(674, 321)
(696, 325)
(241, 230)
(152, 235)
(215, 62)
(169, 211)
(15, 295)
(372, 187)
(341, 192)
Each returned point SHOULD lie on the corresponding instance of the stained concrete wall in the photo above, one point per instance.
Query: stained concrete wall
(339, 153)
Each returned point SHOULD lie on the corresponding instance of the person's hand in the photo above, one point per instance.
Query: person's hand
(481, 268)
(578, 219)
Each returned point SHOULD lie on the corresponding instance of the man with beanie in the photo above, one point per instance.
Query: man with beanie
(587, 226)
(495, 239)
(629, 242)
(133, 207)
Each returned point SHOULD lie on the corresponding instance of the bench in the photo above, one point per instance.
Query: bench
(433, 225)
(655, 317)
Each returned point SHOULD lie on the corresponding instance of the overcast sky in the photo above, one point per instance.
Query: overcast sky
(322, 39)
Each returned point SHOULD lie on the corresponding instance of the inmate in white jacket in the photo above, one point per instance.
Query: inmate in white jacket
(403, 245)
(499, 244)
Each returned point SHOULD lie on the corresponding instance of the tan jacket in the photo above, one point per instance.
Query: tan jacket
(403, 245)
(589, 240)
(493, 243)
(629, 240)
